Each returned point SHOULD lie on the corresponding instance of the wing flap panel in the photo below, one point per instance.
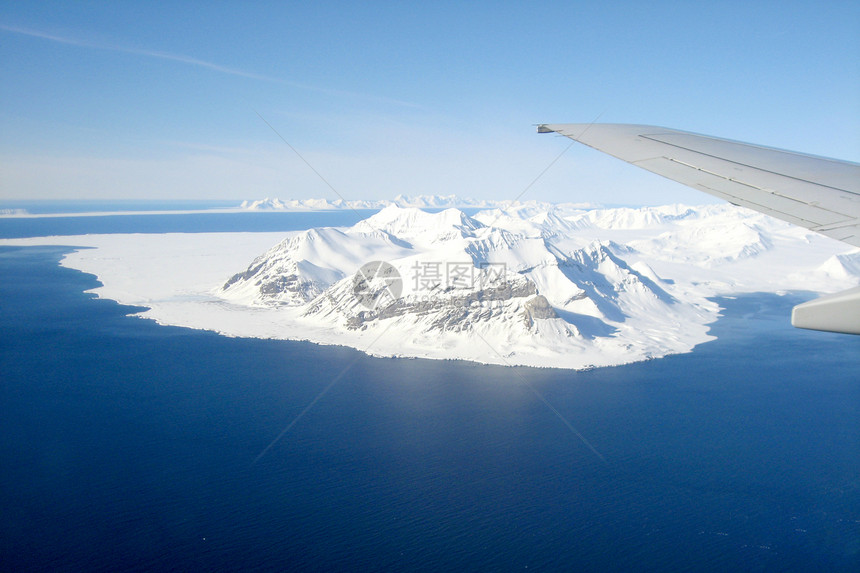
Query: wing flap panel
(838, 312)
(787, 164)
(738, 192)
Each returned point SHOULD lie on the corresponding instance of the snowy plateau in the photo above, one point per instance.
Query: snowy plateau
(527, 284)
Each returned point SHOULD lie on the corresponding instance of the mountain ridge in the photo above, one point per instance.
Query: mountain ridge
(535, 284)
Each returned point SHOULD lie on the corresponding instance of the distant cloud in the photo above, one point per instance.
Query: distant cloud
(183, 59)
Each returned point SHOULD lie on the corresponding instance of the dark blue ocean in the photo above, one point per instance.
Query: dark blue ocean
(125, 445)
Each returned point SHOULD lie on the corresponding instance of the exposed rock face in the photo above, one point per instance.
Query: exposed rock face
(284, 286)
(443, 311)
(536, 308)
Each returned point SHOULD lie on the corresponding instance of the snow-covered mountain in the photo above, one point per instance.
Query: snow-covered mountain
(531, 284)
(300, 268)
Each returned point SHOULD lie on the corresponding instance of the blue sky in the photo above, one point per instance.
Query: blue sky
(154, 100)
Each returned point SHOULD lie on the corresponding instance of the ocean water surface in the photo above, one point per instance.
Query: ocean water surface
(131, 446)
(21, 227)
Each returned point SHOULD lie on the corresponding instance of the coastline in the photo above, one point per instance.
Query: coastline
(177, 277)
(174, 277)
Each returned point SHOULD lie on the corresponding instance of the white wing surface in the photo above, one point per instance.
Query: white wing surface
(818, 193)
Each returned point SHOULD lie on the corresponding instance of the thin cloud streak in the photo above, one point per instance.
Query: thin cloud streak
(148, 53)
(183, 59)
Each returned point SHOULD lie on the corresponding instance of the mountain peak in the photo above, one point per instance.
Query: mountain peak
(411, 222)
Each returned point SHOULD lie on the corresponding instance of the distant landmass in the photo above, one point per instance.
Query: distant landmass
(420, 201)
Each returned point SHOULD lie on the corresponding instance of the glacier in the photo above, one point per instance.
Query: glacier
(520, 284)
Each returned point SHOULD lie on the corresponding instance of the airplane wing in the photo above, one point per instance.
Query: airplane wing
(818, 193)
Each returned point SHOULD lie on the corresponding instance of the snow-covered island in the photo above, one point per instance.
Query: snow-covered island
(531, 284)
